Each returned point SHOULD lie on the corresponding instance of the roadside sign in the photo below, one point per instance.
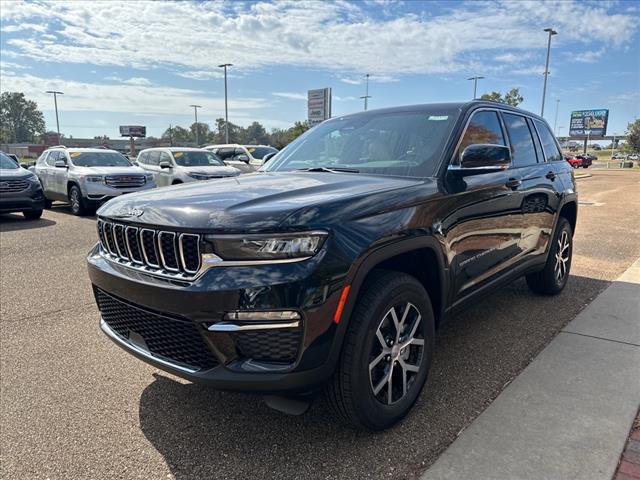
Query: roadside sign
(133, 131)
(591, 123)
(318, 105)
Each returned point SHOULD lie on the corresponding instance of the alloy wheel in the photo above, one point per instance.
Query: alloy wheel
(562, 257)
(75, 200)
(396, 353)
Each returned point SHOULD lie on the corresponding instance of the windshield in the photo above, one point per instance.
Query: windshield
(259, 152)
(99, 159)
(6, 163)
(197, 159)
(404, 143)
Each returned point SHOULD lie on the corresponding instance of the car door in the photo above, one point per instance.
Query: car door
(165, 175)
(484, 221)
(152, 160)
(538, 187)
(61, 174)
(41, 169)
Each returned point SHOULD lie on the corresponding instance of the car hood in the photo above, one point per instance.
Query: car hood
(15, 174)
(109, 170)
(262, 201)
(214, 170)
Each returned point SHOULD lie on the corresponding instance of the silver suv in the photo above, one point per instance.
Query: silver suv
(87, 177)
(247, 158)
(173, 165)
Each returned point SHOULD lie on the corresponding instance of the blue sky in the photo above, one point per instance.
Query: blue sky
(146, 62)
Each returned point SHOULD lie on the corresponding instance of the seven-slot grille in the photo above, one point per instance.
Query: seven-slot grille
(13, 186)
(164, 252)
(125, 181)
(174, 339)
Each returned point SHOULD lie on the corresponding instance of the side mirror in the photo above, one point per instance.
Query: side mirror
(25, 166)
(268, 157)
(485, 157)
(60, 164)
(242, 157)
(165, 164)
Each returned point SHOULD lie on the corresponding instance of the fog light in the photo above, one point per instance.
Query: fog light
(256, 316)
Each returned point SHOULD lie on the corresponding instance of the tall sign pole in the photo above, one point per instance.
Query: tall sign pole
(226, 109)
(551, 32)
(366, 93)
(55, 103)
(195, 111)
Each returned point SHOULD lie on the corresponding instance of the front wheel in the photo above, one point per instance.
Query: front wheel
(386, 355)
(553, 278)
(76, 201)
(32, 214)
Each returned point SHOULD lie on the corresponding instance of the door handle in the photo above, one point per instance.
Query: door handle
(551, 175)
(513, 183)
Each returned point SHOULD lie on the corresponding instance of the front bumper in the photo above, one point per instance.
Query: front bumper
(195, 306)
(29, 199)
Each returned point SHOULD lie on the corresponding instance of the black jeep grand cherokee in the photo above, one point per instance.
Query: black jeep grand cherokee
(332, 267)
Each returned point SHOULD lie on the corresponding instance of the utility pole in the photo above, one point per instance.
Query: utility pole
(475, 85)
(226, 109)
(195, 111)
(170, 135)
(613, 144)
(55, 102)
(555, 123)
(551, 32)
(366, 94)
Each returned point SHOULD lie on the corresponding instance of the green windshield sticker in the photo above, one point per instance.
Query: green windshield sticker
(438, 117)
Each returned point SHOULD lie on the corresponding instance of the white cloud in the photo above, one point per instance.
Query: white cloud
(137, 81)
(590, 56)
(121, 97)
(291, 95)
(340, 36)
(201, 74)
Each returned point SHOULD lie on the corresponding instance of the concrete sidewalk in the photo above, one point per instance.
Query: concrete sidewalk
(568, 414)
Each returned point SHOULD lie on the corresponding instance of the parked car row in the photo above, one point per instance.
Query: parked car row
(88, 177)
(577, 161)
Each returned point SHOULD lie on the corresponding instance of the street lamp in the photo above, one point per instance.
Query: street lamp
(551, 32)
(195, 111)
(366, 94)
(475, 84)
(226, 110)
(55, 102)
(555, 123)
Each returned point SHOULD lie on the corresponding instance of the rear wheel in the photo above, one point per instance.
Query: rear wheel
(386, 355)
(552, 279)
(32, 214)
(47, 203)
(76, 201)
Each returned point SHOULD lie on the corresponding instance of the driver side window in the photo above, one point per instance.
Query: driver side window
(483, 128)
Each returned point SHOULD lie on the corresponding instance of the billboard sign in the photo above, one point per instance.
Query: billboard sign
(589, 123)
(318, 105)
(133, 131)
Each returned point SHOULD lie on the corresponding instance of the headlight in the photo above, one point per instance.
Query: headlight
(94, 178)
(198, 176)
(267, 247)
(148, 177)
(33, 179)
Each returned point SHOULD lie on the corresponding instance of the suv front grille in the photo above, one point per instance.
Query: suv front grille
(171, 339)
(13, 186)
(125, 181)
(278, 345)
(156, 251)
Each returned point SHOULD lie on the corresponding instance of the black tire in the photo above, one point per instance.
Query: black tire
(32, 214)
(77, 202)
(548, 281)
(350, 393)
(47, 203)
(177, 182)
(585, 166)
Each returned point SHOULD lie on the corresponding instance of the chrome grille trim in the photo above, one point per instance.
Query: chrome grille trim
(161, 249)
(13, 186)
(144, 248)
(118, 237)
(129, 249)
(181, 248)
(125, 181)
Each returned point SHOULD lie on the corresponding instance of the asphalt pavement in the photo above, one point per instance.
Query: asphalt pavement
(73, 405)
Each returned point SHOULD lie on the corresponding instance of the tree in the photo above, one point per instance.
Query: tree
(512, 97)
(176, 135)
(256, 134)
(633, 136)
(20, 119)
(204, 133)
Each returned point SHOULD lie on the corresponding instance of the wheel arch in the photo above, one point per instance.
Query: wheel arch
(421, 257)
(570, 211)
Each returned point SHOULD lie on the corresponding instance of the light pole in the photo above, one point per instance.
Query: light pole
(55, 102)
(226, 109)
(555, 123)
(613, 144)
(551, 32)
(195, 111)
(475, 85)
(366, 93)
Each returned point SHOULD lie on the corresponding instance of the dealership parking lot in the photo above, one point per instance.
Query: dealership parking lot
(76, 406)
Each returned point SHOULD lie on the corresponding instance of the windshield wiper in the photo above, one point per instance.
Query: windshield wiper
(327, 169)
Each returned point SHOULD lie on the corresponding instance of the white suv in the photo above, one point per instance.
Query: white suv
(173, 165)
(247, 158)
(87, 177)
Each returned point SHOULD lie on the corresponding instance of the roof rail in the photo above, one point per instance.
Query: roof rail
(58, 146)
